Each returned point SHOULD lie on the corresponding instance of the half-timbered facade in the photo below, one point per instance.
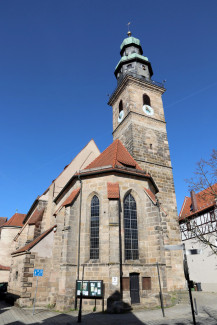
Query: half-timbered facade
(198, 225)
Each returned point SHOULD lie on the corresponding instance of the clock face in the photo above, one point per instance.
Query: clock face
(120, 116)
(148, 110)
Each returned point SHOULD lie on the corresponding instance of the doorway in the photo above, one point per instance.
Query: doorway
(134, 288)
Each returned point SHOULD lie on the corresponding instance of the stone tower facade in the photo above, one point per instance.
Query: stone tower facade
(139, 122)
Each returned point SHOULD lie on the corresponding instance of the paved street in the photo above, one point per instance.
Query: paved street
(177, 315)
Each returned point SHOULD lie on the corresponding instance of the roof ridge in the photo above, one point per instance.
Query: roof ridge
(116, 153)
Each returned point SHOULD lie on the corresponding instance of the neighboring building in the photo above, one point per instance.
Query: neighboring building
(114, 213)
(198, 218)
(8, 230)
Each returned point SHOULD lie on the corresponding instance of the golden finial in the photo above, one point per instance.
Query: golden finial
(129, 32)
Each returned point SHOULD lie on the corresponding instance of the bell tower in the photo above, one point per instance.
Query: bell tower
(139, 122)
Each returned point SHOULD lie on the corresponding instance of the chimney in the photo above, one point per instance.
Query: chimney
(194, 201)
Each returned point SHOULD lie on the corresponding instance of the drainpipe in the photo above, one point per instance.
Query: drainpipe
(79, 230)
(120, 248)
(79, 241)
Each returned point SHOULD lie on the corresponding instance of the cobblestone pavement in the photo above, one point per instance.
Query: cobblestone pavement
(177, 315)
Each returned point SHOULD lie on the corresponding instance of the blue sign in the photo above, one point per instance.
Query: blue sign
(38, 272)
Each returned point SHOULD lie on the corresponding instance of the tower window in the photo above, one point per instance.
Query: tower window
(146, 100)
(94, 228)
(129, 66)
(120, 106)
(130, 228)
(143, 67)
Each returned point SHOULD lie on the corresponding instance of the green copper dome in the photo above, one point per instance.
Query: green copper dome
(130, 40)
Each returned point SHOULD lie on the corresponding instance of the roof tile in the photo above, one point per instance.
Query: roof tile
(36, 216)
(4, 268)
(115, 155)
(113, 190)
(34, 242)
(71, 197)
(2, 220)
(205, 199)
(151, 195)
(16, 220)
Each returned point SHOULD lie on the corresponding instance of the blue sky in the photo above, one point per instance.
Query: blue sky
(57, 60)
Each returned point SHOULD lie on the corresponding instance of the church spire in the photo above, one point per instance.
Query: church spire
(132, 61)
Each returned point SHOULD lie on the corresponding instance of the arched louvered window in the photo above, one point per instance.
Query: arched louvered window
(94, 228)
(130, 228)
(146, 100)
(120, 106)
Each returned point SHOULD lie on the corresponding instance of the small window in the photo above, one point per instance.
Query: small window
(146, 100)
(150, 145)
(188, 226)
(120, 106)
(16, 275)
(143, 67)
(126, 284)
(129, 66)
(146, 283)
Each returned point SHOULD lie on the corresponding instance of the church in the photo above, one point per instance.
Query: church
(108, 216)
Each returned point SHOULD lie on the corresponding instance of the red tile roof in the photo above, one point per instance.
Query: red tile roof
(4, 268)
(115, 155)
(71, 197)
(113, 190)
(16, 220)
(34, 242)
(205, 199)
(2, 220)
(36, 216)
(151, 195)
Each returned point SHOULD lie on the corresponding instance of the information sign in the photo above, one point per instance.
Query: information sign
(38, 272)
(91, 288)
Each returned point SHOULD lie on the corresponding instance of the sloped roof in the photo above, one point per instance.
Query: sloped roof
(115, 155)
(150, 195)
(205, 199)
(15, 221)
(4, 268)
(113, 190)
(36, 216)
(2, 220)
(71, 197)
(34, 242)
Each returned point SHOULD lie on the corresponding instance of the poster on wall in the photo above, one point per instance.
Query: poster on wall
(91, 288)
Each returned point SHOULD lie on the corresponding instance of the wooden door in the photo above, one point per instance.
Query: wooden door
(134, 288)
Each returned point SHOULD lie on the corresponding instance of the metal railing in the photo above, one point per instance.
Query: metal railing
(135, 75)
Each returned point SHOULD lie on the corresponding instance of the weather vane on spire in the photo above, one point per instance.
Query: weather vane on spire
(129, 32)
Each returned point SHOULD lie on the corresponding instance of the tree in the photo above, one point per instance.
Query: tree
(204, 183)
(205, 176)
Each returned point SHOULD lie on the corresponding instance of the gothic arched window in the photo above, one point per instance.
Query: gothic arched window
(146, 100)
(130, 228)
(120, 106)
(94, 228)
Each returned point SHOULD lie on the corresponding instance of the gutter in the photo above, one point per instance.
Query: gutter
(123, 170)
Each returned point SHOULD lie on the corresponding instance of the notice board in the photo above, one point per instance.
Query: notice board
(91, 288)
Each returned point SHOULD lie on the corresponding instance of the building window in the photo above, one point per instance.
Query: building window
(146, 283)
(129, 66)
(146, 100)
(126, 284)
(120, 106)
(130, 229)
(188, 226)
(94, 228)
